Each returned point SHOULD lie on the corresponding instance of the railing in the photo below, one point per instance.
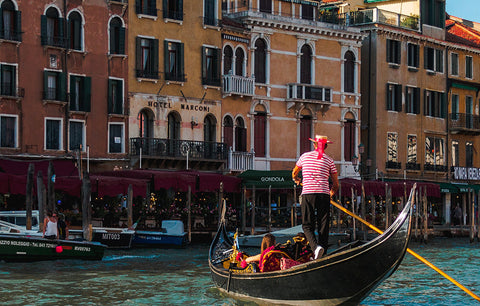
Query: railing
(240, 161)
(176, 77)
(211, 81)
(54, 41)
(437, 168)
(177, 148)
(145, 10)
(6, 90)
(308, 92)
(369, 16)
(248, 11)
(459, 121)
(393, 165)
(147, 74)
(238, 85)
(118, 1)
(11, 35)
(175, 15)
(412, 166)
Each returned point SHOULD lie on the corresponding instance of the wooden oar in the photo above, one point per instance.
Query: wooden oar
(408, 250)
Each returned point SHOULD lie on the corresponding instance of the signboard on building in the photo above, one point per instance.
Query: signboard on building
(466, 173)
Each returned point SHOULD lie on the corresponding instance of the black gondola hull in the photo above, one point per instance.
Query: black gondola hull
(345, 277)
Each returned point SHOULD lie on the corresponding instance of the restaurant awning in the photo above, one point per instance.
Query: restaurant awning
(448, 188)
(463, 188)
(277, 179)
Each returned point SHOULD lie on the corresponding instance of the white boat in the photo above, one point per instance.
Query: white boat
(283, 235)
(171, 234)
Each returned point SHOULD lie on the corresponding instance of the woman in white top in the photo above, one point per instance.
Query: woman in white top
(50, 230)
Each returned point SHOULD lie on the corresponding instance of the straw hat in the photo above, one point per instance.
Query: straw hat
(319, 138)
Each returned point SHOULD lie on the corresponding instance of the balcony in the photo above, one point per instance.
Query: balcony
(54, 41)
(7, 91)
(240, 161)
(312, 93)
(173, 153)
(436, 168)
(371, 16)
(238, 85)
(393, 165)
(412, 166)
(147, 74)
(462, 123)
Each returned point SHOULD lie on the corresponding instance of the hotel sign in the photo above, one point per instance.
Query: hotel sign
(464, 173)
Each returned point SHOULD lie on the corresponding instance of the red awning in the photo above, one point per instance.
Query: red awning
(376, 188)
(402, 187)
(113, 186)
(60, 167)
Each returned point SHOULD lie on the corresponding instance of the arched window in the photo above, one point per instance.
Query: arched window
(305, 132)
(173, 126)
(260, 61)
(209, 128)
(228, 131)
(239, 59)
(117, 36)
(75, 31)
(10, 22)
(306, 65)
(145, 122)
(240, 135)
(52, 28)
(349, 72)
(349, 139)
(227, 60)
(260, 131)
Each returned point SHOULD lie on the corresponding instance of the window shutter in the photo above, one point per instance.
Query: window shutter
(389, 50)
(155, 57)
(43, 30)
(119, 97)
(218, 65)
(61, 35)
(165, 9)
(425, 58)
(77, 28)
(70, 42)
(121, 41)
(45, 83)
(110, 96)
(387, 98)
(398, 98)
(443, 102)
(424, 102)
(73, 92)
(18, 25)
(416, 104)
(181, 62)
(152, 7)
(112, 41)
(138, 55)
(1, 23)
(166, 60)
(87, 87)
(180, 10)
(204, 64)
(62, 86)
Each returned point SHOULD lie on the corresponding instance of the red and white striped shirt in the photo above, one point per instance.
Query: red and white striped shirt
(315, 172)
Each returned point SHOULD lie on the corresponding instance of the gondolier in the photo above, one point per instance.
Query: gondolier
(317, 167)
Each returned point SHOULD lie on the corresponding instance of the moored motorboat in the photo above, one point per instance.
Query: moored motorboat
(113, 238)
(171, 234)
(17, 244)
(344, 277)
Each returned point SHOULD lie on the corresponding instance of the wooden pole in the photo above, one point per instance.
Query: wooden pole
(244, 210)
(472, 215)
(252, 230)
(388, 206)
(374, 212)
(189, 217)
(86, 209)
(130, 206)
(364, 211)
(270, 208)
(294, 205)
(29, 195)
(425, 215)
(339, 213)
(417, 208)
(354, 229)
(40, 199)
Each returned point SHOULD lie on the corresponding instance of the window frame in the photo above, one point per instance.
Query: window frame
(468, 67)
(454, 64)
(173, 9)
(75, 31)
(438, 154)
(394, 51)
(11, 90)
(174, 72)
(122, 144)
(394, 97)
(116, 36)
(60, 134)
(392, 147)
(84, 134)
(85, 89)
(412, 149)
(413, 55)
(113, 106)
(211, 69)
(412, 100)
(435, 64)
(15, 131)
(14, 33)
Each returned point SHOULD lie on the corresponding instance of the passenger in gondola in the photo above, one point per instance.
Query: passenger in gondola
(50, 230)
(268, 244)
(317, 168)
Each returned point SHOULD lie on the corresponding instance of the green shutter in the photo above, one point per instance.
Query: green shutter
(119, 97)
(166, 59)
(73, 92)
(180, 9)
(398, 98)
(61, 35)
(45, 83)
(387, 99)
(425, 58)
(68, 38)
(218, 64)
(389, 50)
(138, 54)
(62, 86)
(111, 43)
(18, 25)
(444, 105)
(155, 58)
(424, 102)
(121, 41)
(87, 83)
(417, 100)
(1, 23)
(43, 30)
(152, 6)
(204, 64)
(165, 8)
(110, 101)
(77, 28)
(181, 62)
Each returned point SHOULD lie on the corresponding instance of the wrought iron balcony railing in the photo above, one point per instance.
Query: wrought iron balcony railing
(251, 11)
(177, 148)
(172, 14)
(463, 121)
(147, 74)
(393, 165)
(298, 91)
(437, 168)
(238, 85)
(370, 16)
(176, 77)
(412, 166)
(54, 41)
(240, 161)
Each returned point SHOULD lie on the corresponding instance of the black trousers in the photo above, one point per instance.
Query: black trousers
(316, 215)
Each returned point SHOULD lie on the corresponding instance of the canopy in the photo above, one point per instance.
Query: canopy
(264, 179)
(377, 188)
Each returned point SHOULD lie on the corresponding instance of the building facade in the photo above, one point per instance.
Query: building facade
(63, 81)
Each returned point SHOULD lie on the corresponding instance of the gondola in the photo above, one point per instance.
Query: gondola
(343, 277)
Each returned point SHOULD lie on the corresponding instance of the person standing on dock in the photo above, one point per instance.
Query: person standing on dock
(50, 230)
(316, 168)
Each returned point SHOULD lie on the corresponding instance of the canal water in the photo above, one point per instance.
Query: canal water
(182, 277)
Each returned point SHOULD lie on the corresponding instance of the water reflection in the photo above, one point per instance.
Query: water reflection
(181, 276)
